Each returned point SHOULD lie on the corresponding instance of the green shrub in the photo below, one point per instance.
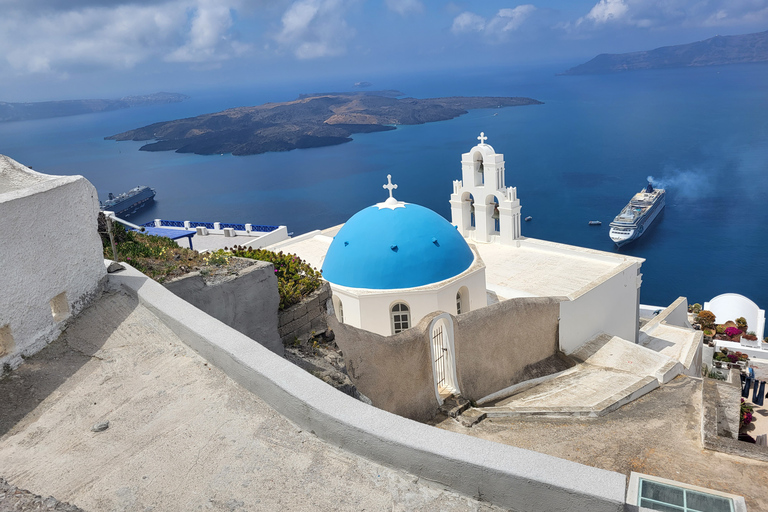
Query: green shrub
(706, 319)
(696, 308)
(741, 323)
(720, 329)
(158, 257)
(295, 278)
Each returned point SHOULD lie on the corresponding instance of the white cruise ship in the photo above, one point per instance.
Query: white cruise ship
(638, 215)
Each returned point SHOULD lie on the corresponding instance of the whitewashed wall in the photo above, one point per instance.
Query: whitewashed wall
(370, 310)
(51, 262)
(610, 307)
(730, 306)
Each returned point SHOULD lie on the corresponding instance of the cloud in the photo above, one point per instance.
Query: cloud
(510, 19)
(468, 22)
(670, 14)
(208, 38)
(504, 21)
(51, 38)
(405, 7)
(606, 11)
(315, 28)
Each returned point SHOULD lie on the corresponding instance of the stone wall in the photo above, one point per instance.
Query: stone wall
(496, 344)
(395, 372)
(720, 412)
(496, 347)
(51, 260)
(308, 315)
(247, 302)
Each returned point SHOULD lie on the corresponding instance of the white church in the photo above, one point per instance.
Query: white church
(393, 263)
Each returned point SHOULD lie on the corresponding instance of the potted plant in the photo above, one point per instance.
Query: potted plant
(747, 416)
(706, 319)
(733, 333)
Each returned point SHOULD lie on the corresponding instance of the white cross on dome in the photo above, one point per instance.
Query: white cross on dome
(389, 185)
(391, 202)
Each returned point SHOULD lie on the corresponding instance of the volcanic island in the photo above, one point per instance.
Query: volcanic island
(312, 120)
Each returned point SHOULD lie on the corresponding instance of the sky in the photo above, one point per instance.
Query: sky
(66, 49)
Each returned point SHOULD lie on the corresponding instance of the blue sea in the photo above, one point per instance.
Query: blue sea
(700, 133)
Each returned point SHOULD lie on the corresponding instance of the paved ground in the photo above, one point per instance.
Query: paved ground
(181, 435)
(658, 434)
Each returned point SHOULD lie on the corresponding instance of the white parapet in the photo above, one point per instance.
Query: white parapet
(45, 280)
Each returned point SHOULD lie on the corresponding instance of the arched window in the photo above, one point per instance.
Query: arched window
(462, 300)
(401, 317)
(339, 307)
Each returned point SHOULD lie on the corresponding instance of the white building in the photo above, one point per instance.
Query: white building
(393, 263)
(384, 258)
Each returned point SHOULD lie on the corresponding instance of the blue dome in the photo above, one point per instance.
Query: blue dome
(389, 248)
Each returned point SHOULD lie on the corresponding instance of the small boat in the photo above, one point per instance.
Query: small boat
(528, 218)
(496, 113)
(594, 223)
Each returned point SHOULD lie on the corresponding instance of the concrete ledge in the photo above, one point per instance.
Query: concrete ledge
(504, 475)
(710, 440)
(615, 401)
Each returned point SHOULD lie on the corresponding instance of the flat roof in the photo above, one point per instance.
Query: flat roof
(534, 267)
(529, 268)
(311, 247)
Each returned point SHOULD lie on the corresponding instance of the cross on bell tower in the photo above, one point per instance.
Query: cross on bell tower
(482, 138)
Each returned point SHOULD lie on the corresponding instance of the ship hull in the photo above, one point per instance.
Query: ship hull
(130, 202)
(623, 234)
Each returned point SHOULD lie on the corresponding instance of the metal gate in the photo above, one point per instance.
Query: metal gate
(441, 353)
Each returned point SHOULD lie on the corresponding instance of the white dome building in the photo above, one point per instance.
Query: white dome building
(393, 263)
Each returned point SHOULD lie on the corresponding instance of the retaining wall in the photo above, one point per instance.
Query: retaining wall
(720, 412)
(503, 475)
(247, 302)
(308, 315)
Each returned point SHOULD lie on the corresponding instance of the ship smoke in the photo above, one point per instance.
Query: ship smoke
(683, 184)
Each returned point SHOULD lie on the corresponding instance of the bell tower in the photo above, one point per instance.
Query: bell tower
(483, 208)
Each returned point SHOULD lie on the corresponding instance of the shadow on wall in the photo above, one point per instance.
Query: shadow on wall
(494, 347)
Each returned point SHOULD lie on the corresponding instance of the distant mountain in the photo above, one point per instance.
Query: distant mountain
(46, 109)
(314, 120)
(714, 51)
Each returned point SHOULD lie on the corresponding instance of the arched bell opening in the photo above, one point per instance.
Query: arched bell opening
(494, 217)
(479, 169)
(468, 210)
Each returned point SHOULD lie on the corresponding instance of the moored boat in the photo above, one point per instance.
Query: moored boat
(635, 218)
(129, 202)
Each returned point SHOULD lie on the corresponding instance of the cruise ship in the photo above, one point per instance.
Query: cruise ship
(637, 216)
(128, 202)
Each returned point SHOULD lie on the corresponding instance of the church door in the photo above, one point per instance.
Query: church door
(443, 361)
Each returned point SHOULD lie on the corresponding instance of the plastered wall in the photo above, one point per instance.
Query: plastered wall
(51, 262)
